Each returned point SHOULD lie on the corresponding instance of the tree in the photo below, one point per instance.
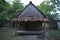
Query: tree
(8, 11)
(17, 5)
(4, 6)
(56, 5)
(15, 9)
(47, 8)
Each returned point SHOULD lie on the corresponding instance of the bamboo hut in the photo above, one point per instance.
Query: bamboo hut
(30, 19)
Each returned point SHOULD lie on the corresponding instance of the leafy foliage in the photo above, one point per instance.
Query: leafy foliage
(3, 5)
(45, 7)
(8, 11)
(48, 8)
(17, 6)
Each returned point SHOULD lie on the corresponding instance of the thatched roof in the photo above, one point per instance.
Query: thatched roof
(31, 12)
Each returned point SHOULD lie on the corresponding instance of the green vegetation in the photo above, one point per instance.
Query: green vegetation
(49, 8)
(55, 34)
(7, 34)
(9, 11)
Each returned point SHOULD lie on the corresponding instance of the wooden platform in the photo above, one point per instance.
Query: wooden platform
(41, 33)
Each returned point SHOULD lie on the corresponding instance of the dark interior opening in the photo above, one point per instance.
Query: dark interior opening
(33, 26)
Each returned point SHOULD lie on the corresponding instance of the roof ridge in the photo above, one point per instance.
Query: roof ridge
(34, 6)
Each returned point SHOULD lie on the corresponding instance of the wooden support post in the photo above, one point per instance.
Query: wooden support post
(44, 29)
(15, 24)
(45, 26)
(42, 26)
(18, 24)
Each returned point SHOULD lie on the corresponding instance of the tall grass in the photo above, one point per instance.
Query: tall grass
(55, 34)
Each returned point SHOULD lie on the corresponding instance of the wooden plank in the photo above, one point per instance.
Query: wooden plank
(29, 33)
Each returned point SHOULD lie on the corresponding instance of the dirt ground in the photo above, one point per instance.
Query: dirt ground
(6, 33)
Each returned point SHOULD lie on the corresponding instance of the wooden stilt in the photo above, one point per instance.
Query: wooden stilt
(19, 25)
(15, 24)
(44, 28)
